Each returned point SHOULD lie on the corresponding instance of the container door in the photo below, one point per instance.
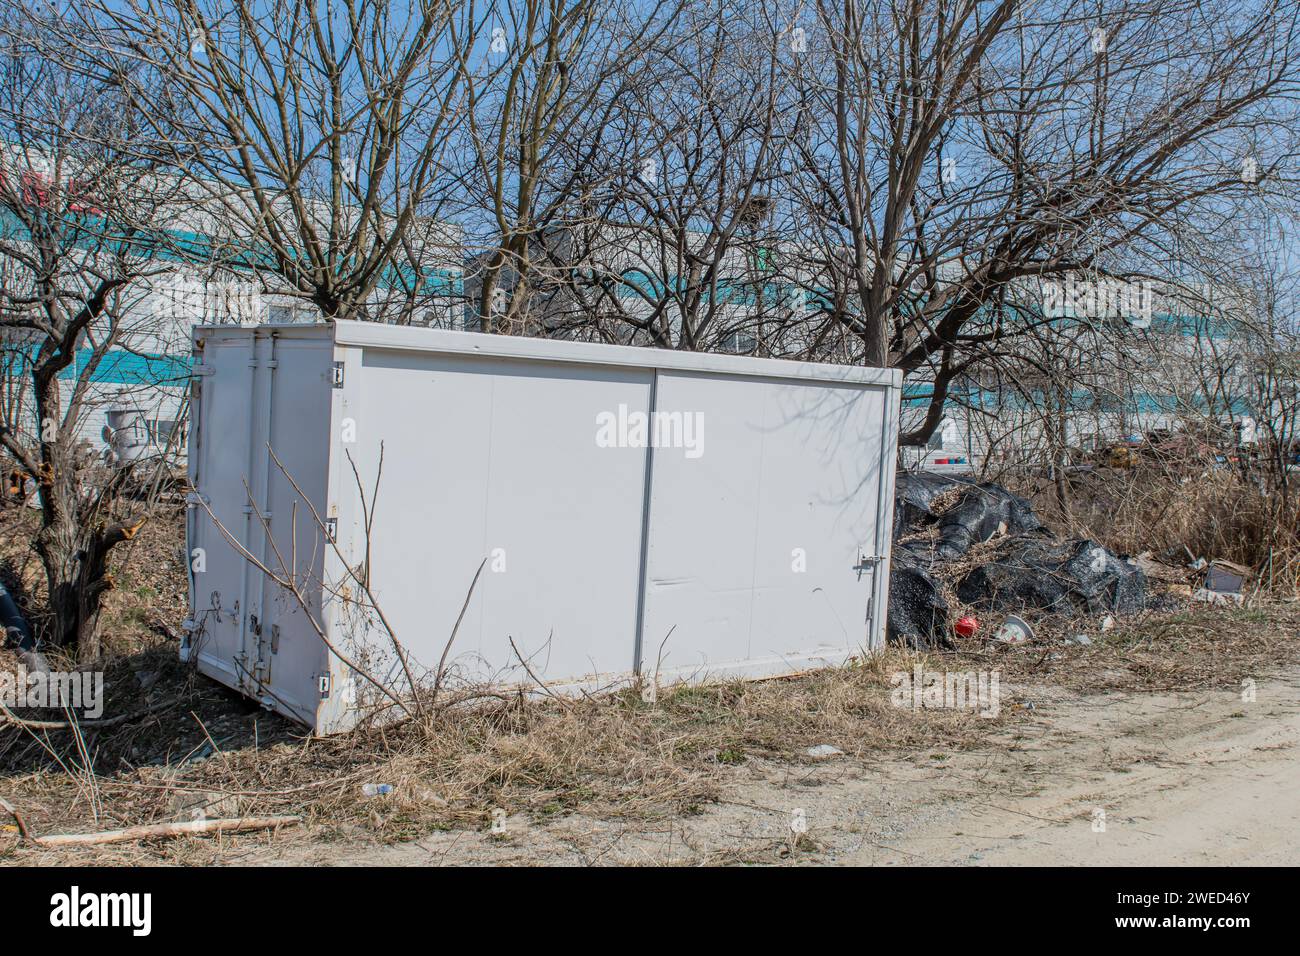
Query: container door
(220, 459)
(287, 656)
(756, 532)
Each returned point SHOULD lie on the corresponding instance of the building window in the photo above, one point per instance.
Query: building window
(291, 314)
(742, 343)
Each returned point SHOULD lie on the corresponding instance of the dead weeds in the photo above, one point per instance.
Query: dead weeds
(1184, 649)
(613, 755)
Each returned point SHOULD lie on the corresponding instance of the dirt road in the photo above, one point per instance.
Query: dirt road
(1195, 778)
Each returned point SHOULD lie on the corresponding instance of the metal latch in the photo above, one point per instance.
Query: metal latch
(866, 563)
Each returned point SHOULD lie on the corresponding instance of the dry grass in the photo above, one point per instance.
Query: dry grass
(610, 756)
(1165, 507)
(1194, 648)
(613, 755)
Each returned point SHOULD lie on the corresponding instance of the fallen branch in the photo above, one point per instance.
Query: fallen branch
(13, 718)
(160, 831)
(18, 818)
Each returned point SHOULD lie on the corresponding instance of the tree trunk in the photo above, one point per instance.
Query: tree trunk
(74, 541)
(76, 571)
(491, 276)
(75, 560)
(1058, 428)
(875, 351)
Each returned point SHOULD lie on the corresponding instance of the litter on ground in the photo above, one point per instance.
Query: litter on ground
(961, 544)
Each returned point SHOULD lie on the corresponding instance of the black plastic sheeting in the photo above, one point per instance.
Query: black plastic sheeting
(1060, 577)
(918, 611)
(14, 624)
(1030, 570)
(981, 511)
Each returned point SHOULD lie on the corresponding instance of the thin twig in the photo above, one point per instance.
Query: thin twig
(442, 661)
(550, 693)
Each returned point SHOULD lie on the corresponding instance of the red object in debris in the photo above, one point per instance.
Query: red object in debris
(966, 626)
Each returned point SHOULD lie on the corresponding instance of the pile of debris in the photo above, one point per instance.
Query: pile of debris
(957, 541)
(1186, 576)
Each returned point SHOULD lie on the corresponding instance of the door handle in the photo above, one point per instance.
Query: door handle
(866, 563)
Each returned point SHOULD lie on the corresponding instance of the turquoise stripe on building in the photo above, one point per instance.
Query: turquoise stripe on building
(88, 231)
(919, 396)
(121, 367)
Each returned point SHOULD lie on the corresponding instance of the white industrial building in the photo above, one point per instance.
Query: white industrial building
(1157, 360)
(1133, 356)
(137, 393)
(601, 281)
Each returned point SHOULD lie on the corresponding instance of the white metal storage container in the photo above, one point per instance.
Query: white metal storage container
(635, 511)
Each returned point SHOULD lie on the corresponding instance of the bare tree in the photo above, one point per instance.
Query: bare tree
(82, 204)
(964, 146)
(678, 250)
(316, 135)
(554, 81)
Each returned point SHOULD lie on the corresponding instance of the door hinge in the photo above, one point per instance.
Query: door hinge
(336, 375)
(331, 529)
(324, 685)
